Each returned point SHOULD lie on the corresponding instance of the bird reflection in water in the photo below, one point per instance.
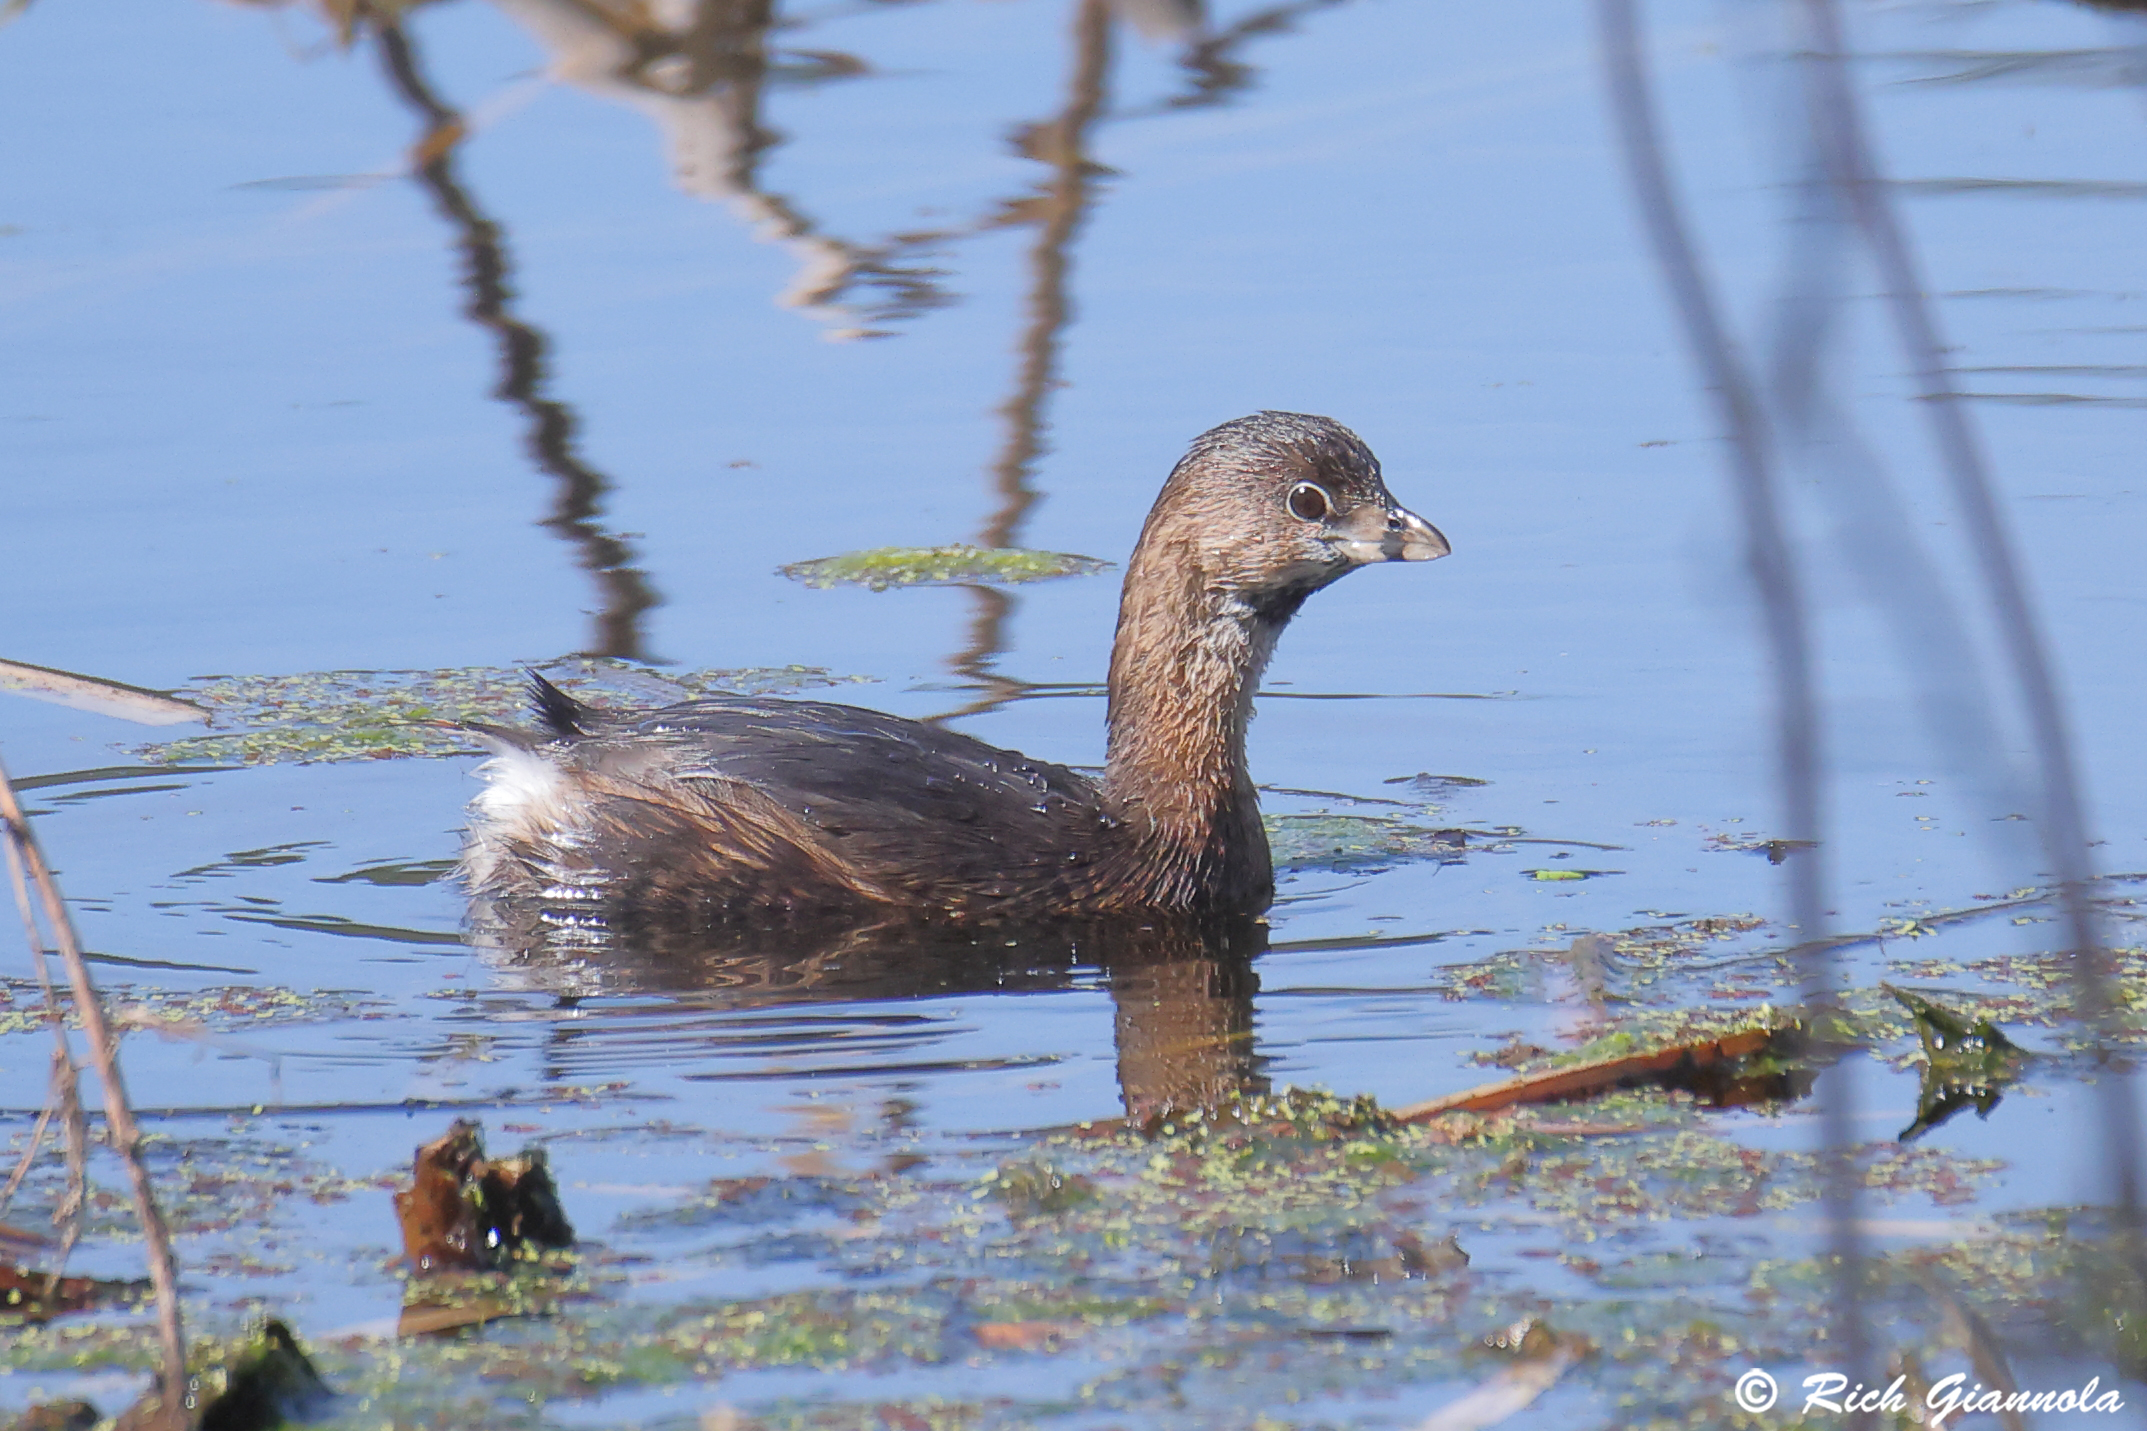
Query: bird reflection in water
(1181, 992)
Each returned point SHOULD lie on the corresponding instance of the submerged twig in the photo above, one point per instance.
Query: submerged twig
(26, 864)
(1703, 1060)
(66, 1105)
(1541, 1357)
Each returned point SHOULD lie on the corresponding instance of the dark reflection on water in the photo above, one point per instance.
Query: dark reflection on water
(1058, 209)
(553, 428)
(1182, 996)
(703, 82)
(1212, 64)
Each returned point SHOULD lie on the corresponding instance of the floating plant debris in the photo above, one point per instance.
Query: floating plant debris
(1540, 1357)
(466, 1212)
(220, 1009)
(27, 1296)
(1360, 842)
(1435, 786)
(883, 567)
(1966, 1062)
(377, 715)
(268, 1384)
(1750, 1066)
(266, 1381)
(1039, 1191)
(57, 1416)
(1776, 850)
(1315, 1237)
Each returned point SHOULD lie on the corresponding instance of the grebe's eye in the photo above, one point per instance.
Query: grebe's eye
(1309, 501)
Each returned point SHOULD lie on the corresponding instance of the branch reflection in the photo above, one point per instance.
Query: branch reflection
(552, 428)
(1211, 62)
(702, 84)
(1058, 209)
(701, 77)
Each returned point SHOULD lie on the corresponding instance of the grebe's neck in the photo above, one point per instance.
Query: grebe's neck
(1187, 660)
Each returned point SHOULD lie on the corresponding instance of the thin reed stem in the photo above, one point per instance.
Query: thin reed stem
(1772, 562)
(29, 1156)
(1852, 169)
(26, 863)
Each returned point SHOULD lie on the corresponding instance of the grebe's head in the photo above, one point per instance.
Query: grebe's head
(1273, 507)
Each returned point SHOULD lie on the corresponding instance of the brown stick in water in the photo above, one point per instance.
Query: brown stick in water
(26, 863)
(1584, 1079)
(64, 1100)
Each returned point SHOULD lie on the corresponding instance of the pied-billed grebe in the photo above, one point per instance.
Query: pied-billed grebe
(743, 808)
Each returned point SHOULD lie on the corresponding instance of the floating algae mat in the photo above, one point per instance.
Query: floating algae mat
(1263, 1265)
(1362, 842)
(1288, 1260)
(883, 567)
(376, 715)
(185, 1013)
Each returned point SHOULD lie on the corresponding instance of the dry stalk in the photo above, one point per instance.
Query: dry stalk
(65, 1099)
(74, 1141)
(29, 1156)
(26, 863)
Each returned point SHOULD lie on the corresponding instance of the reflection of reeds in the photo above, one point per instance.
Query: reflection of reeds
(1057, 209)
(702, 83)
(701, 78)
(552, 425)
(1211, 62)
(28, 870)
